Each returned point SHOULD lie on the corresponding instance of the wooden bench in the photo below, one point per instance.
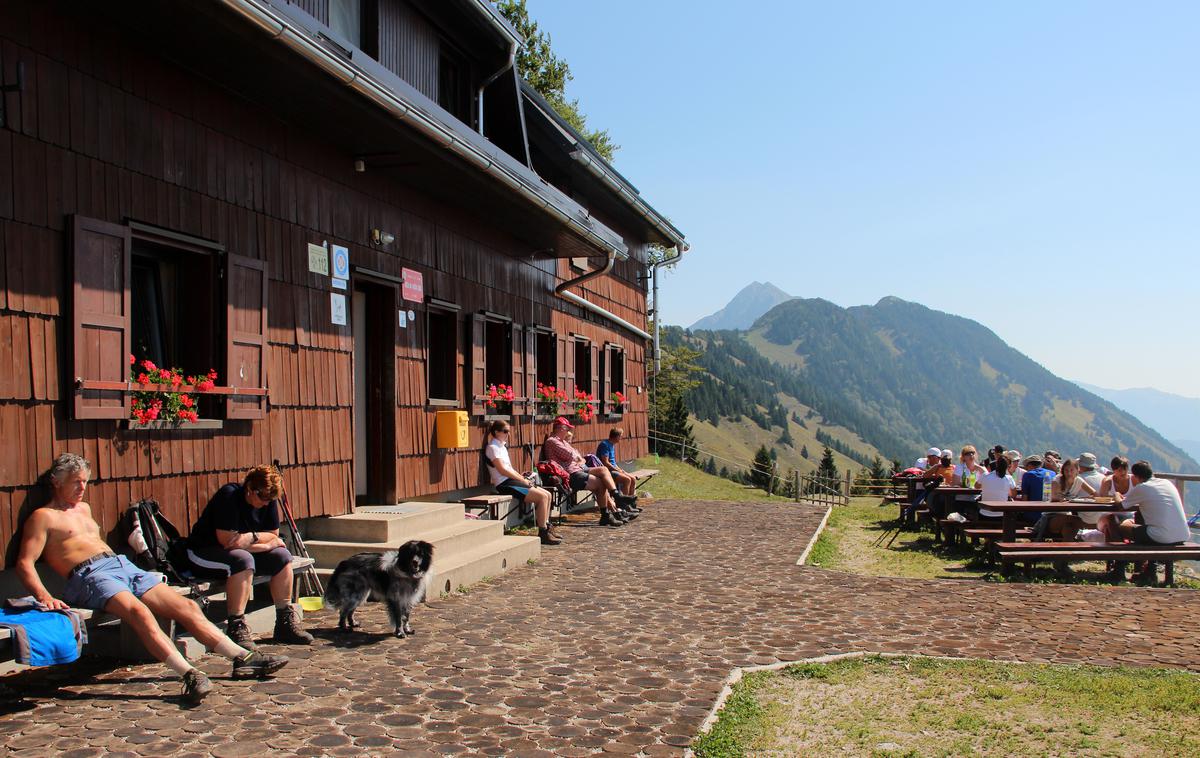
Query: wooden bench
(489, 504)
(1034, 552)
(127, 645)
(643, 475)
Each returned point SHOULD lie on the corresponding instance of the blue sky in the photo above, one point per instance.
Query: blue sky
(1033, 166)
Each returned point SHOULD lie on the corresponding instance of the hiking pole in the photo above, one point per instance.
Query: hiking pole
(310, 572)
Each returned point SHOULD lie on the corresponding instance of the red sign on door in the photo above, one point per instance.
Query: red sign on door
(414, 285)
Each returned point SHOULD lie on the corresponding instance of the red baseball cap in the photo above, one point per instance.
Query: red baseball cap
(563, 422)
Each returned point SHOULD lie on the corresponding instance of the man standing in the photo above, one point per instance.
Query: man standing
(606, 451)
(68, 538)
(236, 539)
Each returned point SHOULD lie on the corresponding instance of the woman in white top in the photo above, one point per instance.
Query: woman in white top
(508, 481)
(998, 486)
(1069, 485)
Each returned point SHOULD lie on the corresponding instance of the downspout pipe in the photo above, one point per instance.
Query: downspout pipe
(679, 251)
(512, 59)
(562, 291)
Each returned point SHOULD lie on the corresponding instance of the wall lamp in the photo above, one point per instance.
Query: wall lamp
(380, 237)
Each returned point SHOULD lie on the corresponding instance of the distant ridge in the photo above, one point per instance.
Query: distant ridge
(745, 308)
(1173, 416)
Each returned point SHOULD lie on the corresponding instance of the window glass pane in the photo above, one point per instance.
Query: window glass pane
(547, 360)
(443, 355)
(499, 353)
(583, 366)
(345, 18)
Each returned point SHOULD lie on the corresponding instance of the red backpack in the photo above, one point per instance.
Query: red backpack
(550, 468)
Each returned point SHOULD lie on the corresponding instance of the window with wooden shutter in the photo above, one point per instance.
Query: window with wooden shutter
(246, 335)
(616, 378)
(594, 361)
(566, 365)
(101, 314)
(531, 368)
(441, 353)
(478, 329)
(518, 370)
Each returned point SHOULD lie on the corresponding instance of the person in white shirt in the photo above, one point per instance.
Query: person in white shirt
(1159, 520)
(998, 486)
(968, 473)
(932, 457)
(1090, 471)
(508, 481)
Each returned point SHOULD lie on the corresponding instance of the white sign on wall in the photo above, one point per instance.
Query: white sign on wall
(337, 308)
(341, 262)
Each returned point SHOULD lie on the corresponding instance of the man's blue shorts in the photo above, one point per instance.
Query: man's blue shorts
(93, 585)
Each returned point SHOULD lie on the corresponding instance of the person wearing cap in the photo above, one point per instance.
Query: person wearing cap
(1089, 471)
(1036, 480)
(932, 457)
(1014, 466)
(596, 480)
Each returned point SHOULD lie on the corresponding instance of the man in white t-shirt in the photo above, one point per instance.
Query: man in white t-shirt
(932, 457)
(1159, 510)
(998, 486)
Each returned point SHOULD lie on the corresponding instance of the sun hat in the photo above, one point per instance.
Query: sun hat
(563, 422)
(1013, 455)
(1034, 460)
(933, 451)
(947, 452)
(1087, 461)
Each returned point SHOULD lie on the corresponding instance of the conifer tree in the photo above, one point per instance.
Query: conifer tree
(761, 469)
(827, 469)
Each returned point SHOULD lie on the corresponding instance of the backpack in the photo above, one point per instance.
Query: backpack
(152, 542)
(550, 468)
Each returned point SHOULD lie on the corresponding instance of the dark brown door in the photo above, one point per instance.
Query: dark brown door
(374, 317)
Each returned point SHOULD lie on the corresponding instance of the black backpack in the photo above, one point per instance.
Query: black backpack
(165, 551)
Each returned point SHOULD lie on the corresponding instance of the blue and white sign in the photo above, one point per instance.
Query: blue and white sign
(341, 262)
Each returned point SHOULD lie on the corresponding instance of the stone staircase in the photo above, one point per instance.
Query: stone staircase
(465, 550)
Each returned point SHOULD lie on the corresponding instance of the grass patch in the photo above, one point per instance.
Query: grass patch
(681, 481)
(918, 706)
(860, 538)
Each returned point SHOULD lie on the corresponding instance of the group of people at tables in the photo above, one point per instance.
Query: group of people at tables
(613, 488)
(1146, 510)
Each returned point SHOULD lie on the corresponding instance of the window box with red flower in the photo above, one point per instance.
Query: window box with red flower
(549, 400)
(498, 400)
(165, 398)
(617, 403)
(584, 405)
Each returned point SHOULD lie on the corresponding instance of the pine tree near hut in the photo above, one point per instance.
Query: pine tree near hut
(827, 469)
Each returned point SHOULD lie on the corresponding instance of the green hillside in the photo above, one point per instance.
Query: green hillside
(897, 377)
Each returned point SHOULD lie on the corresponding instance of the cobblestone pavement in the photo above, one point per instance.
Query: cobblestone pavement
(619, 641)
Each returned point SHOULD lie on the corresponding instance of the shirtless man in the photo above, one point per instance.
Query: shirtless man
(64, 533)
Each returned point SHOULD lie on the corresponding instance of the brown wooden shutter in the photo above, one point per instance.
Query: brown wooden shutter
(101, 313)
(478, 363)
(246, 335)
(531, 363)
(518, 369)
(606, 388)
(566, 378)
(619, 355)
(595, 361)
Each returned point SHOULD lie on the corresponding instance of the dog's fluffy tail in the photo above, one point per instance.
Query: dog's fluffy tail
(333, 589)
(347, 574)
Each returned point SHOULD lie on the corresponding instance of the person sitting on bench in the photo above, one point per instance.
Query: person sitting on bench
(606, 451)
(508, 481)
(66, 535)
(1159, 517)
(596, 480)
(237, 538)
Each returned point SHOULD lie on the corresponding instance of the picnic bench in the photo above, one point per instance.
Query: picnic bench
(1034, 552)
(643, 475)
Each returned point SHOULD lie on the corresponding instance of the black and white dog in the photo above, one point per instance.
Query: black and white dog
(398, 576)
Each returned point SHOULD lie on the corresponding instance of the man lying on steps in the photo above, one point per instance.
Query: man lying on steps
(68, 538)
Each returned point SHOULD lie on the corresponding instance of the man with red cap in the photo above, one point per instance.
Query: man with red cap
(597, 480)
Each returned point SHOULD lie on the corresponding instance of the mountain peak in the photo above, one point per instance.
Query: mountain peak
(745, 308)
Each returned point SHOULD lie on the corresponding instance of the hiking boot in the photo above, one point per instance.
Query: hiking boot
(608, 518)
(1063, 571)
(195, 686)
(236, 630)
(256, 665)
(1115, 576)
(626, 501)
(287, 628)
(628, 514)
(1147, 577)
(548, 537)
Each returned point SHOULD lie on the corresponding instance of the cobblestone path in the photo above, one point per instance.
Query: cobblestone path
(619, 641)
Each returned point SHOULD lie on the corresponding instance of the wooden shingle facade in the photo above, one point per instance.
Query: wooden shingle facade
(166, 175)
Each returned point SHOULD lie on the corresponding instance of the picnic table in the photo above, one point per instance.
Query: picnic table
(1011, 508)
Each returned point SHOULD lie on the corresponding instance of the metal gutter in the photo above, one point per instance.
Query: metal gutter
(597, 168)
(512, 59)
(561, 291)
(535, 190)
(679, 251)
(499, 22)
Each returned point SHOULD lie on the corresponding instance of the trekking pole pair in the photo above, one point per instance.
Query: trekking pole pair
(310, 578)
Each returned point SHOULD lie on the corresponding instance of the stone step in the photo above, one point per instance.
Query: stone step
(492, 559)
(447, 541)
(384, 523)
(470, 566)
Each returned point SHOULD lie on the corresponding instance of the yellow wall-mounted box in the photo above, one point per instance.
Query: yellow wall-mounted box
(453, 429)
